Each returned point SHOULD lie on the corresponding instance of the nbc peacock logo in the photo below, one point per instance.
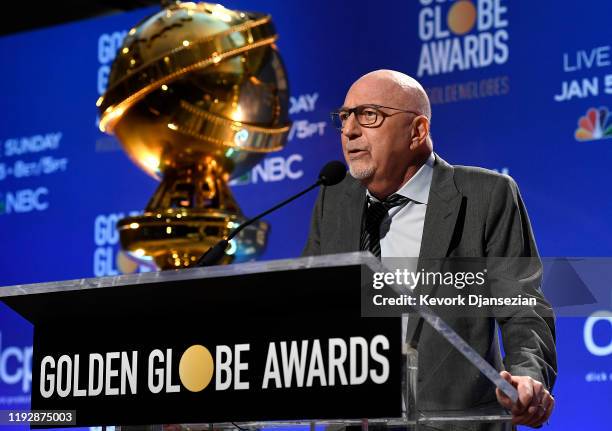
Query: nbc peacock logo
(594, 125)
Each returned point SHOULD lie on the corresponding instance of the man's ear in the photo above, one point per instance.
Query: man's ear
(420, 131)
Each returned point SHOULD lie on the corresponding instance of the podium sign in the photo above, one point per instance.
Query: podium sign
(266, 341)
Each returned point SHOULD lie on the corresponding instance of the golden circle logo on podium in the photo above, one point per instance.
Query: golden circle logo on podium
(196, 368)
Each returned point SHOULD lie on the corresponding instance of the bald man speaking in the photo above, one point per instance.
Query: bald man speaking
(403, 200)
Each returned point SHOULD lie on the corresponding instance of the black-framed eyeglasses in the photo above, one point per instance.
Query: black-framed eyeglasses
(367, 115)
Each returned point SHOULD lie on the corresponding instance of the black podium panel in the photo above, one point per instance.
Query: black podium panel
(276, 345)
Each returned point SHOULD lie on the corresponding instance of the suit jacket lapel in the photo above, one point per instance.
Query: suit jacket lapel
(443, 207)
(353, 208)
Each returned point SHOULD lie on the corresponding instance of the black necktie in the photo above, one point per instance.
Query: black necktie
(375, 213)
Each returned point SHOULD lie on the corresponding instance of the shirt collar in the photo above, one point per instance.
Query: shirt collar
(417, 187)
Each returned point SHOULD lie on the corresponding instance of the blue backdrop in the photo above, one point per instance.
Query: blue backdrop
(520, 87)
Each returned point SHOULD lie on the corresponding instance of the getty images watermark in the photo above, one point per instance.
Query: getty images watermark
(487, 287)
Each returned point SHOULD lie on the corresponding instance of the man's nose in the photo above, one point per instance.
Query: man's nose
(351, 128)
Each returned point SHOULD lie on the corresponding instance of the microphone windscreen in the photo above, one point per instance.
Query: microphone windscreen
(332, 173)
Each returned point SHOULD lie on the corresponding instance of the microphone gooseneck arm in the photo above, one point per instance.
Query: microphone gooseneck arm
(216, 252)
(331, 174)
(274, 208)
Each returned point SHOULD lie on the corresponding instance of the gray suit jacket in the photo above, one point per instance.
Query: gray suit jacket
(472, 212)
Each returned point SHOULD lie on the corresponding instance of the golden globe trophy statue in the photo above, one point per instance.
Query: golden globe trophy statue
(197, 94)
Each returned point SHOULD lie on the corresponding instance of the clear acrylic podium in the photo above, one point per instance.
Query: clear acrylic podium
(313, 293)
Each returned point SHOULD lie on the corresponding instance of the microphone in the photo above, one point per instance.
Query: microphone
(331, 174)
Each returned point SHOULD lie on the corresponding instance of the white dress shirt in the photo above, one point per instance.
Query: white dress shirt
(402, 230)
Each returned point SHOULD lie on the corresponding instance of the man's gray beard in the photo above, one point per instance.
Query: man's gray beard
(361, 173)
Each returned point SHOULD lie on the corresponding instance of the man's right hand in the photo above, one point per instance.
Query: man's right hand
(535, 404)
